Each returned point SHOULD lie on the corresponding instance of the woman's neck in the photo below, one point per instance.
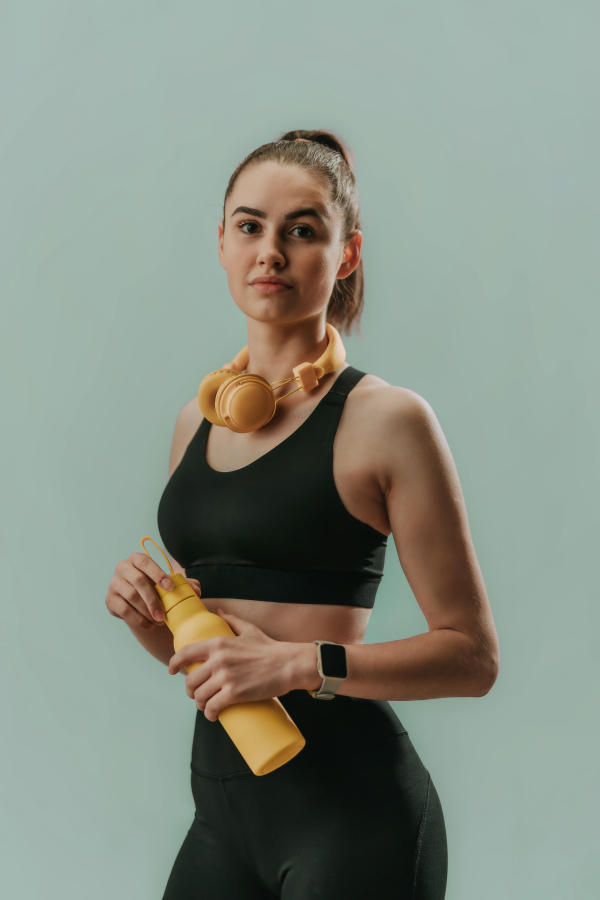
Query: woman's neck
(274, 350)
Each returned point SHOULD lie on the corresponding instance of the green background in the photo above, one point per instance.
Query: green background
(476, 136)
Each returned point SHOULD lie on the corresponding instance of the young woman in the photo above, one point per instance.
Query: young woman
(283, 530)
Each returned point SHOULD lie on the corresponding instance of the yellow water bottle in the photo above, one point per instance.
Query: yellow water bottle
(262, 730)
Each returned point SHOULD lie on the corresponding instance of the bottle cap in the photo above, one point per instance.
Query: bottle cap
(178, 580)
(181, 590)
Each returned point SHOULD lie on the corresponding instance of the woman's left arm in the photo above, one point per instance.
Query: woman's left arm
(459, 655)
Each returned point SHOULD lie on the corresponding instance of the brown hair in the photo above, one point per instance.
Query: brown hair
(327, 156)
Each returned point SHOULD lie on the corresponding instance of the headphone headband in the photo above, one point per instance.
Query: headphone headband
(330, 360)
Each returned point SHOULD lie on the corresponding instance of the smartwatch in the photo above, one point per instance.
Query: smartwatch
(331, 665)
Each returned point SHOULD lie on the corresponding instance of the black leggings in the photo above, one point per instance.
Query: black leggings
(355, 814)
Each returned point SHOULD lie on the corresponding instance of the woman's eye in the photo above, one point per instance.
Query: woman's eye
(307, 227)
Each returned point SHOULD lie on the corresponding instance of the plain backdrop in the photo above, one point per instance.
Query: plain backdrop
(476, 137)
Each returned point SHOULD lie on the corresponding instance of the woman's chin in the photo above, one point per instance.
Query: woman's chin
(270, 311)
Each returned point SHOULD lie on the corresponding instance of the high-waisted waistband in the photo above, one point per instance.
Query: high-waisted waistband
(333, 729)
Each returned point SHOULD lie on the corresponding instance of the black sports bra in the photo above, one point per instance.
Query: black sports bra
(275, 529)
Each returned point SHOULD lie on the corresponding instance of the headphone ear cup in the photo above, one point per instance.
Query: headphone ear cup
(207, 394)
(245, 403)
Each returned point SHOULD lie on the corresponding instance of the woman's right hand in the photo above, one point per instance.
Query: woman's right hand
(131, 595)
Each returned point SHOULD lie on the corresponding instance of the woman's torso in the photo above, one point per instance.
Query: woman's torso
(357, 474)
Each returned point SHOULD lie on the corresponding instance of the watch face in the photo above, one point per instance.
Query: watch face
(333, 660)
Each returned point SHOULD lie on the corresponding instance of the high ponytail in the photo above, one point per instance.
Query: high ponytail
(329, 158)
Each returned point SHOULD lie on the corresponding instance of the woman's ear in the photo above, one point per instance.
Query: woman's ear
(352, 252)
(220, 230)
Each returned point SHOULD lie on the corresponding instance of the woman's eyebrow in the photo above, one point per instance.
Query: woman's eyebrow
(295, 214)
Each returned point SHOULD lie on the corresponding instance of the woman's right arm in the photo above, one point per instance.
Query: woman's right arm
(131, 595)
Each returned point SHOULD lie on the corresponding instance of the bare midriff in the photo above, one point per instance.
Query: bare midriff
(298, 622)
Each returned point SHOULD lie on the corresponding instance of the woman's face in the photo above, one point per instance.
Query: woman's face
(265, 235)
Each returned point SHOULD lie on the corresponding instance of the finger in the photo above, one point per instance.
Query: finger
(238, 625)
(202, 695)
(145, 564)
(147, 573)
(197, 678)
(204, 692)
(219, 701)
(199, 651)
(129, 606)
(152, 570)
(120, 609)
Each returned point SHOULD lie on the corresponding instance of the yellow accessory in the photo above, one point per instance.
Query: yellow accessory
(245, 402)
(262, 730)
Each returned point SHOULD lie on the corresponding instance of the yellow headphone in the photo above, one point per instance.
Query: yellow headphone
(244, 402)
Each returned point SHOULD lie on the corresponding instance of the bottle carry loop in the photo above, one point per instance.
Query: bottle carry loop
(160, 551)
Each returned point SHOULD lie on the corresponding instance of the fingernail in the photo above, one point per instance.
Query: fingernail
(159, 615)
(166, 583)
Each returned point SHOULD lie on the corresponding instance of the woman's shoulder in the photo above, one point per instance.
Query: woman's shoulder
(187, 424)
(392, 426)
(380, 400)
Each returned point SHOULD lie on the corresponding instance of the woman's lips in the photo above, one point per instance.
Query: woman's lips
(266, 288)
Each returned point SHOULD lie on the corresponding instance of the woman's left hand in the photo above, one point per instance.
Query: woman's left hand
(252, 666)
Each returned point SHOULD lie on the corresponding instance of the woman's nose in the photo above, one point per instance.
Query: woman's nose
(270, 252)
